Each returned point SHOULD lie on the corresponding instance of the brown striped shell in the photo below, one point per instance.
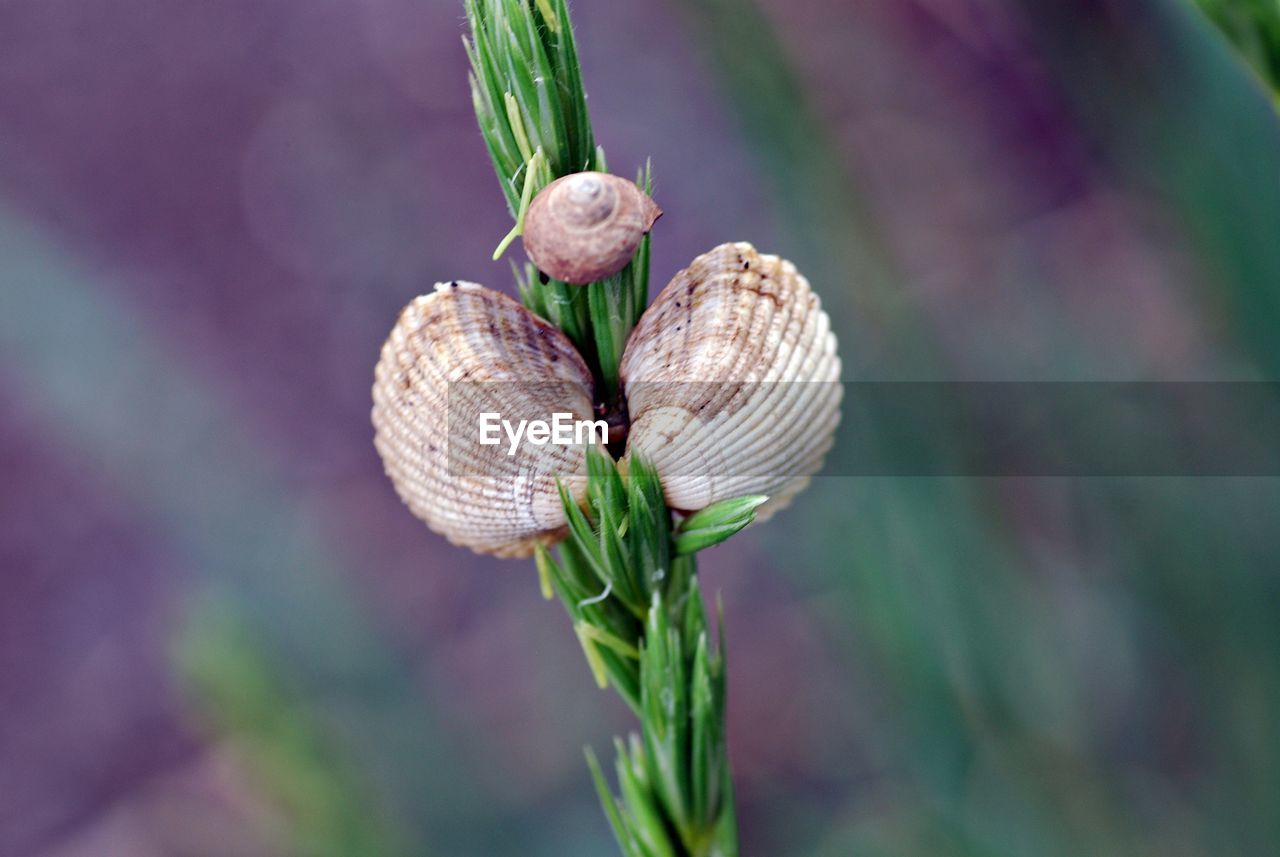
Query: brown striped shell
(454, 354)
(586, 226)
(732, 381)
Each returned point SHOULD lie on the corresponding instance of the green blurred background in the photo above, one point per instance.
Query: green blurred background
(220, 633)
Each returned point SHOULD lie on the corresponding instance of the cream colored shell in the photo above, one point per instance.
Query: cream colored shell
(731, 380)
(452, 355)
(585, 227)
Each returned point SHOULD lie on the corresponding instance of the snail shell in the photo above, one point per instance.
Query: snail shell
(454, 354)
(732, 381)
(586, 226)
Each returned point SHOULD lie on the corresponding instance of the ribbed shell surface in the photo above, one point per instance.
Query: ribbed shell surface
(732, 381)
(453, 355)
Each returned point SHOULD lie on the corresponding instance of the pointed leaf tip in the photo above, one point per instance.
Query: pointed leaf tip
(715, 523)
(723, 512)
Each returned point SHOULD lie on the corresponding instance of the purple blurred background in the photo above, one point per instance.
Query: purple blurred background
(210, 214)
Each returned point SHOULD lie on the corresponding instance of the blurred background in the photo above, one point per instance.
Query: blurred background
(221, 634)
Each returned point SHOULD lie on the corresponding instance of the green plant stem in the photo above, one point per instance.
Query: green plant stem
(626, 574)
(526, 86)
(636, 605)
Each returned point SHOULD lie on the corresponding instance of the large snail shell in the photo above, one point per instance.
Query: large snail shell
(587, 226)
(454, 354)
(732, 381)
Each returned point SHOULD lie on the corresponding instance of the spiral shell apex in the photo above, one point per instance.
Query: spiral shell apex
(587, 226)
(454, 355)
(732, 381)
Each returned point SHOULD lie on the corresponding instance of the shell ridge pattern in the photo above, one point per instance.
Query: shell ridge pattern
(455, 353)
(757, 409)
(757, 360)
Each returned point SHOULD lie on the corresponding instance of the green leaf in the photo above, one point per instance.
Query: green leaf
(715, 523)
(724, 512)
(621, 829)
(698, 540)
(647, 821)
(612, 320)
(704, 744)
(664, 707)
(583, 536)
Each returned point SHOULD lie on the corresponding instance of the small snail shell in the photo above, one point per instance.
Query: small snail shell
(586, 226)
(731, 380)
(455, 354)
